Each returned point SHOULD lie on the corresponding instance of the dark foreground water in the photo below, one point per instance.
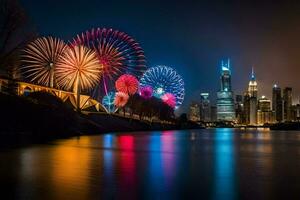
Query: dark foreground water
(193, 164)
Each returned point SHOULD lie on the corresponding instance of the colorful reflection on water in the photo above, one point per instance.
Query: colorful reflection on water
(196, 164)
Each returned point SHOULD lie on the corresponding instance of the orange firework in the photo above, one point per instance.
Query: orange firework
(78, 65)
(121, 99)
(40, 58)
(78, 69)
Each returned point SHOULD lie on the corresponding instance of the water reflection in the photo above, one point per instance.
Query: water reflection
(224, 178)
(197, 164)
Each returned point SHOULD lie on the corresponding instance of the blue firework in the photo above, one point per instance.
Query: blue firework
(108, 102)
(164, 79)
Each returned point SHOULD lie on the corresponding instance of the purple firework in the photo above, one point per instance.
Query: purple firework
(146, 92)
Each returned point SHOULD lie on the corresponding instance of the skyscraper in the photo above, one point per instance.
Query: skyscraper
(264, 112)
(239, 109)
(277, 103)
(252, 91)
(225, 102)
(246, 110)
(194, 114)
(204, 107)
(287, 103)
(252, 86)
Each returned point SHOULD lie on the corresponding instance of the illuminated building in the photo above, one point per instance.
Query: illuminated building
(252, 90)
(225, 102)
(287, 104)
(194, 114)
(252, 86)
(204, 107)
(264, 113)
(277, 103)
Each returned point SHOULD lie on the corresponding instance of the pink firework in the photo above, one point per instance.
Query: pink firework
(121, 99)
(146, 92)
(127, 84)
(169, 99)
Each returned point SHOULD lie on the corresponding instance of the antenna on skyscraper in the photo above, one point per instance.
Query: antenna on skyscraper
(252, 73)
(228, 63)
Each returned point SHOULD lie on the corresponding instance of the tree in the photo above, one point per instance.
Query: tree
(15, 33)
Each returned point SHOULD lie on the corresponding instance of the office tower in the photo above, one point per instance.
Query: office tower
(296, 112)
(194, 114)
(264, 112)
(277, 103)
(246, 110)
(253, 111)
(252, 86)
(239, 109)
(287, 103)
(225, 102)
(204, 107)
(213, 113)
(252, 91)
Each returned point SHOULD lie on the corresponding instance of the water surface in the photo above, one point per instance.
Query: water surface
(192, 164)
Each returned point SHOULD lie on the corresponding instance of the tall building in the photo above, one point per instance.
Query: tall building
(296, 112)
(225, 102)
(287, 104)
(213, 113)
(264, 113)
(246, 110)
(277, 103)
(204, 107)
(252, 86)
(194, 114)
(252, 90)
(239, 109)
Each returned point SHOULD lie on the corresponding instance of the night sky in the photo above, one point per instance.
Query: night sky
(192, 37)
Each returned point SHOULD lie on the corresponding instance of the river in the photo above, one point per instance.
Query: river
(190, 164)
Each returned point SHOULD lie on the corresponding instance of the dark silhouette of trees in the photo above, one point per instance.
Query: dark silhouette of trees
(15, 32)
(149, 108)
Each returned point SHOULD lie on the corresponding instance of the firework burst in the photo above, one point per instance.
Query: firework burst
(146, 92)
(164, 80)
(127, 84)
(40, 58)
(108, 102)
(169, 99)
(121, 99)
(78, 67)
(117, 52)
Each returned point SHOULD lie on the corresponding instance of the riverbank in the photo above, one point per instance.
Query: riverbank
(43, 117)
(286, 126)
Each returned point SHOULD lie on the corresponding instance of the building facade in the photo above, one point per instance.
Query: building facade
(205, 107)
(265, 115)
(225, 102)
(246, 108)
(252, 91)
(239, 106)
(194, 113)
(277, 105)
(287, 104)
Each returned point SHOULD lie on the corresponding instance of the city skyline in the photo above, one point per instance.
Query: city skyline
(265, 39)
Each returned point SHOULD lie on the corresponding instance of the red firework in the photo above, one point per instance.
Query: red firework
(117, 52)
(121, 99)
(169, 99)
(127, 84)
(146, 92)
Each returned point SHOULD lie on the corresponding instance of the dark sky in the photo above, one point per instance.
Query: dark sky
(192, 37)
